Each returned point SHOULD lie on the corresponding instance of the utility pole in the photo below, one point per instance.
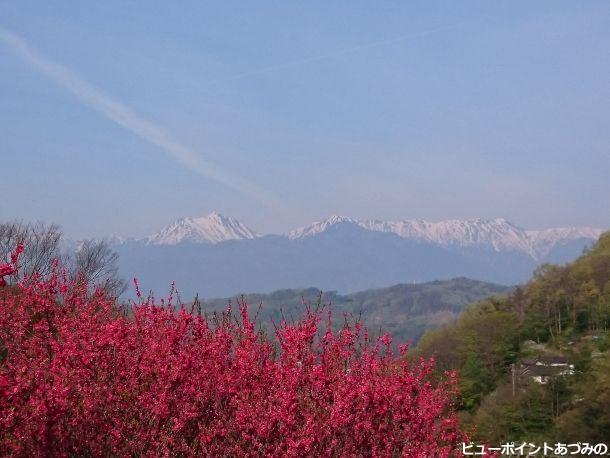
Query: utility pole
(512, 367)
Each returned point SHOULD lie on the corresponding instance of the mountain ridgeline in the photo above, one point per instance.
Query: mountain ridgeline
(220, 256)
(406, 311)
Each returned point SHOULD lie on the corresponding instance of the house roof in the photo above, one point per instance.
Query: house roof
(553, 360)
(541, 371)
(545, 361)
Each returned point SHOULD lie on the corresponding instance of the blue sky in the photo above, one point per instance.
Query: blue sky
(122, 116)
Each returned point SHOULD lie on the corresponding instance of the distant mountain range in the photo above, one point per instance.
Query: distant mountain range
(218, 255)
(498, 234)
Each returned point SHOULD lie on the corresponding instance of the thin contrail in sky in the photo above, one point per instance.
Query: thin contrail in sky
(126, 117)
(331, 55)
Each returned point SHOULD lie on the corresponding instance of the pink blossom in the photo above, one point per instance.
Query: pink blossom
(78, 377)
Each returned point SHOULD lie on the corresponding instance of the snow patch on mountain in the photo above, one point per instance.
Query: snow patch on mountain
(498, 234)
(318, 227)
(543, 241)
(213, 228)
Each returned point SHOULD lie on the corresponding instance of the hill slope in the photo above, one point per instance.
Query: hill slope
(562, 314)
(404, 310)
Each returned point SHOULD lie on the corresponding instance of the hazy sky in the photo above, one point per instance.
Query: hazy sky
(118, 117)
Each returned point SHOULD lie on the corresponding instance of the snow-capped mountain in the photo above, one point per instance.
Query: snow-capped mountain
(319, 226)
(498, 234)
(344, 254)
(213, 228)
(543, 241)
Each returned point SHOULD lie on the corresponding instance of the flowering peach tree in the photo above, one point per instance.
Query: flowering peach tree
(79, 377)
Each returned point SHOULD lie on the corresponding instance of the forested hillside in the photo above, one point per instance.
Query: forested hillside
(535, 365)
(404, 310)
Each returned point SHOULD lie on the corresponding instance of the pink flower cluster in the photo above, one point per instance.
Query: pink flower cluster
(78, 377)
(10, 269)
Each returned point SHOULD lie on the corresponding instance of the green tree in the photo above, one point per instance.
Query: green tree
(589, 420)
